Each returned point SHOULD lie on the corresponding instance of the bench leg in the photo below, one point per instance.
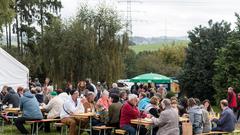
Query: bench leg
(104, 131)
(37, 129)
(79, 127)
(32, 128)
(62, 130)
(90, 125)
(66, 131)
(2, 125)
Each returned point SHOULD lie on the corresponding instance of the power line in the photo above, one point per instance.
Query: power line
(129, 14)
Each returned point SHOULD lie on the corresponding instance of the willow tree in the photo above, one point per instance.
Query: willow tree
(89, 45)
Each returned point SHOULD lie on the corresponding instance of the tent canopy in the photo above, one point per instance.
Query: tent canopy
(12, 72)
(151, 78)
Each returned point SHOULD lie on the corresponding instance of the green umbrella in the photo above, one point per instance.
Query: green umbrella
(151, 78)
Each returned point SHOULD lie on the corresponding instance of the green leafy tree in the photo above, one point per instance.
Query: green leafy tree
(6, 17)
(28, 14)
(168, 60)
(87, 46)
(227, 65)
(196, 78)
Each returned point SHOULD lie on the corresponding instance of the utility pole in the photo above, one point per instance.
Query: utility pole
(129, 14)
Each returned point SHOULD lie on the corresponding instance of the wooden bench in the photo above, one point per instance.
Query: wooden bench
(100, 128)
(121, 132)
(33, 122)
(235, 132)
(63, 126)
(214, 133)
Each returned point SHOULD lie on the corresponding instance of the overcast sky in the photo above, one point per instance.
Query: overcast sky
(152, 18)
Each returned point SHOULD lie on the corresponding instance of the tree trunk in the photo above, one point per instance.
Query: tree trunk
(10, 36)
(17, 30)
(6, 26)
(21, 36)
(41, 19)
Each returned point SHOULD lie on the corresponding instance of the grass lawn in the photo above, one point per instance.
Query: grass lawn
(155, 47)
(12, 130)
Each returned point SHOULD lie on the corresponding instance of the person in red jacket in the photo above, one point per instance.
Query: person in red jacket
(232, 99)
(130, 111)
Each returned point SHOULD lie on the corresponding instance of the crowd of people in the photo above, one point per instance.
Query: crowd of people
(116, 108)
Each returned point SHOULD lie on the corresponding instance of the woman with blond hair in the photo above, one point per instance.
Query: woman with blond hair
(153, 107)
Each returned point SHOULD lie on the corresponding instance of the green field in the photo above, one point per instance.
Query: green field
(155, 47)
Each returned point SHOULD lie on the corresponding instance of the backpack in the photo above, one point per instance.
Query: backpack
(197, 125)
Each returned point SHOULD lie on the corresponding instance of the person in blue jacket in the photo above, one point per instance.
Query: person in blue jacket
(227, 119)
(144, 100)
(30, 110)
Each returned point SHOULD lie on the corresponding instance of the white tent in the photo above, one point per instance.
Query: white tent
(12, 72)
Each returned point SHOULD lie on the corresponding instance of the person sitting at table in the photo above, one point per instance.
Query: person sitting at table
(46, 94)
(39, 95)
(144, 100)
(54, 107)
(89, 106)
(71, 107)
(208, 107)
(227, 119)
(195, 116)
(104, 101)
(206, 120)
(130, 111)
(123, 97)
(3, 92)
(153, 107)
(114, 111)
(183, 106)
(89, 102)
(168, 120)
(30, 109)
(20, 91)
(174, 105)
(11, 98)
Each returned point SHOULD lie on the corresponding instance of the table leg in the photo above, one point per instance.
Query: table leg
(104, 131)
(37, 129)
(79, 127)
(151, 130)
(138, 130)
(90, 125)
(32, 128)
(2, 125)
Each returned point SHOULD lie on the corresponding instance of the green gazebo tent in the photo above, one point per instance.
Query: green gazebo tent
(151, 78)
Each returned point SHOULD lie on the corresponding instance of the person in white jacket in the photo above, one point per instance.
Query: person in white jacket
(71, 107)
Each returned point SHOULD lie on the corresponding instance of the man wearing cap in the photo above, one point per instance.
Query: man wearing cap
(71, 107)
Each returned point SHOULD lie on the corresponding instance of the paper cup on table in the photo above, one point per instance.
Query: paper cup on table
(10, 106)
(88, 110)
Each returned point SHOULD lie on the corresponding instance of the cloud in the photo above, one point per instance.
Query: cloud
(171, 17)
